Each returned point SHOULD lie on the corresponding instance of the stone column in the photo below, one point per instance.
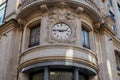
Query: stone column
(76, 76)
(46, 74)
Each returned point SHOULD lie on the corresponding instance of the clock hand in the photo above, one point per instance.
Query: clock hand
(60, 30)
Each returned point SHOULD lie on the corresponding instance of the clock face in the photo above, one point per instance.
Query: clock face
(61, 31)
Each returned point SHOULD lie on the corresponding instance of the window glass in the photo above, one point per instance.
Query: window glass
(81, 77)
(2, 10)
(34, 35)
(112, 15)
(119, 9)
(2, 1)
(111, 3)
(85, 38)
(113, 27)
(38, 76)
(117, 60)
(61, 75)
(57, 74)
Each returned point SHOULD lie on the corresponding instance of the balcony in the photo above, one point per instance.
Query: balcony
(90, 8)
(91, 3)
(56, 54)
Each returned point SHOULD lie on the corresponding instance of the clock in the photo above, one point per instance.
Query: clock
(61, 31)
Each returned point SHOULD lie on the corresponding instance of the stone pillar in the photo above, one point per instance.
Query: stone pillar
(46, 74)
(76, 76)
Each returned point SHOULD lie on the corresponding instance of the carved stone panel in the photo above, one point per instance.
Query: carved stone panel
(61, 15)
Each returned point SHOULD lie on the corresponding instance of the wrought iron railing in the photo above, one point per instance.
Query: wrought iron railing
(89, 2)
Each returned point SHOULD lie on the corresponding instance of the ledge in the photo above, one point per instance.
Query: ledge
(27, 51)
(41, 54)
(89, 7)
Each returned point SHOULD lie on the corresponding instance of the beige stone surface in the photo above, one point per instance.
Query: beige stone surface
(15, 33)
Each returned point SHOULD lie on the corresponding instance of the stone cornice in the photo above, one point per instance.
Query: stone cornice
(86, 51)
(58, 58)
(112, 34)
(78, 7)
(104, 28)
(8, 25)
(116, 42)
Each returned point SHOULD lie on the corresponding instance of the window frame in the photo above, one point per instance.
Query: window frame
(111, 14)
(30, 36)
(84, 44)
(117, 58)
(111, 3)
(46, 73)
(119, 8)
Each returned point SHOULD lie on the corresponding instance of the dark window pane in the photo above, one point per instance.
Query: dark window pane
(38, 76)
(119, 9)
(112, 15)
(111, 3)
(61, 75)
(83, 77)
(34, 36)
(85, 38)
(117, 60)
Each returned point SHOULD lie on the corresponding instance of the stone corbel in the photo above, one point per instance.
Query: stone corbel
(21, 21)
(44, 8)
(102, 26)
(79, 10)
(96, 26)
(62, 5)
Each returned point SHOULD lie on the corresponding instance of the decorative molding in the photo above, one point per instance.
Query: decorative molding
(44, 8)
(105, 28)
(96, 26)
(59, 58)
(9, 25)
(79, 10)
(62, 5)
(116, 42)
(81, 49)
(21, 21)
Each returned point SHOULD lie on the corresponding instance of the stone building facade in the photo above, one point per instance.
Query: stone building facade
(59, 40)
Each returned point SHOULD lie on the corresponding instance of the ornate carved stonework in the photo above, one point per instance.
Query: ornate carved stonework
(21, 21)
(44, 8)
(63, 14)
(79, 10)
